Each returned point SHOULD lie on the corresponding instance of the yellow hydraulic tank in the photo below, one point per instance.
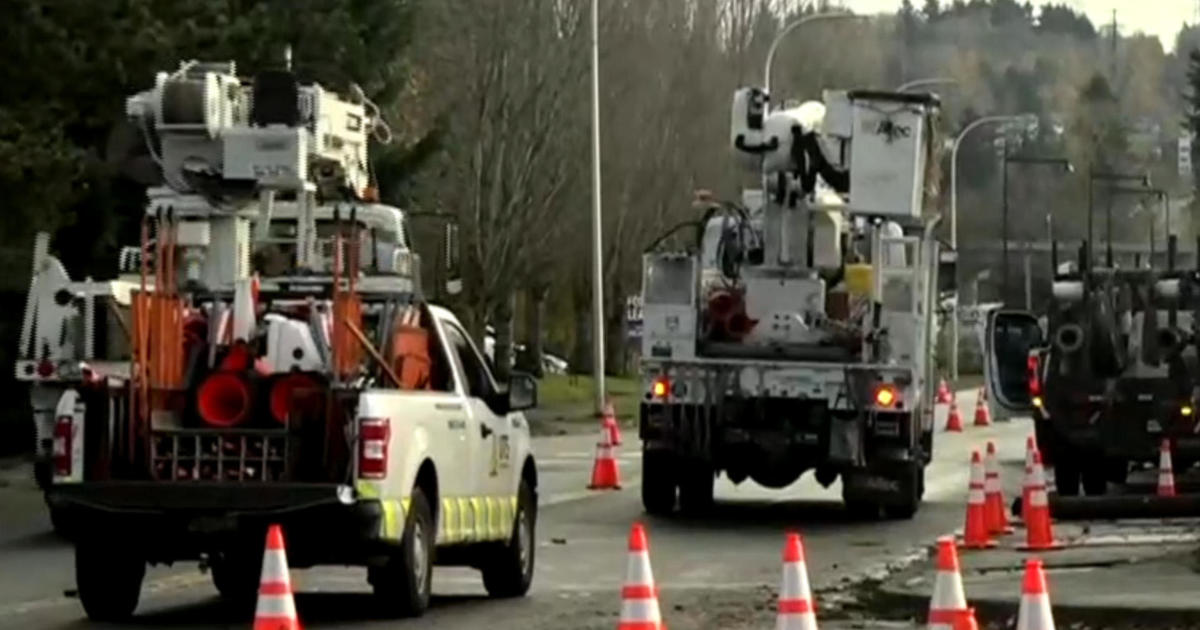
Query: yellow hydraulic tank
(859, 279)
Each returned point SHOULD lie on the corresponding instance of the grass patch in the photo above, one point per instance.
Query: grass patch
(566, 392)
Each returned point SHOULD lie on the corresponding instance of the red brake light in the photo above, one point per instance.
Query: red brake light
(660, 388)
(885, 396)
(63, 446)
(373, 437)
(45, 369)
(1032, 365)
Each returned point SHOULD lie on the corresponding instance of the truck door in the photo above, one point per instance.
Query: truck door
(1008, 337)
(488, 432)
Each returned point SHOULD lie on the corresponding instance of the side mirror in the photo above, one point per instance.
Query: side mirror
(522, 392)
(450, 249)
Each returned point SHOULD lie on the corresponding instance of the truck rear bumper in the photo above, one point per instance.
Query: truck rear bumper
(323, 523)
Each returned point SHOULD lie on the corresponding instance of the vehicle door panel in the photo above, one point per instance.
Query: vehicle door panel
(1009, 336)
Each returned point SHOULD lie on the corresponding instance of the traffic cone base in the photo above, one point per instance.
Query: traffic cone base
(276, 609)
(796, 610)
(1039, 533)
(954, 421)
(997, 518)
(983, 417)
(639, 595)
(605, 475)
(975, 532)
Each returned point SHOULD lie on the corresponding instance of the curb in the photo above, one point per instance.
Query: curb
(992, 610)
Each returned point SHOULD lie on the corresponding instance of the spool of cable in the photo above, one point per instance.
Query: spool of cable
(1069, 338)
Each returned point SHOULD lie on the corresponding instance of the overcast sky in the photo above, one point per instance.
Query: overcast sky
(1158, 17)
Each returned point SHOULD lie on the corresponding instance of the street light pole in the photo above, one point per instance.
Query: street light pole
(954, 332)
(787, 31)
(1063, 162)
(597, 225)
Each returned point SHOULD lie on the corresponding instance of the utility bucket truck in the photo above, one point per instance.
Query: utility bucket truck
(795, 332)
(267, 357)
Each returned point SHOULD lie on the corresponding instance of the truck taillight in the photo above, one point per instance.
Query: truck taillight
(1032, 368)
(373, 437)
(661, 387)
(64, 443)
(886, 396)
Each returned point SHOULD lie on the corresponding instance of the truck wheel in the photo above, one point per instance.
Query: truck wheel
(510, 570)
(1066, 476)
(402, 587)
(109, 580)
(912, 487)
(696, 488)
(236, 578)
(658, 482)
(1095, 481)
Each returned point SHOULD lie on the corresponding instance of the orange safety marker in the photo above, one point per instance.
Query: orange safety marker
(1039, 535)
(943, 392)
(997, 520)
(276, 610)
(1166, 476)
(797, 611)
(609, 423)
(1034, 612)
(604, 469)
(966, 620)
(639, 595)
(975, 533)
(1027, 480)
(948, 602)
(983, 417)
(954, 421)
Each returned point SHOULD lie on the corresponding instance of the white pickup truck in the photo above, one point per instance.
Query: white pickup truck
(409, 478)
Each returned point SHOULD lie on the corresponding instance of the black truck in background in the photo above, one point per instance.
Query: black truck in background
(1107, 374)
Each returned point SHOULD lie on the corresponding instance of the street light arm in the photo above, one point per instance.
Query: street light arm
(930, 81)
(954, 170)
(787, 30)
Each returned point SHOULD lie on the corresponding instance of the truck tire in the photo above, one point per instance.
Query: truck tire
(1066, 476)
(236, 576)
(658, 482)
(402, 587)
(912, 488)
(1095, 481)
(509, 572)
(108, 579)
(696, 488)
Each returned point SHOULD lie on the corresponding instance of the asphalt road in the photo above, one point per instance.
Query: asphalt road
(720, 572)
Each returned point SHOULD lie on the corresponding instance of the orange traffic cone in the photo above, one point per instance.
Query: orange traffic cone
(943, 392)
(1034, 612)
(1166, 477)
(966, 620)
(948, 601)
(796, 608)
(639, 596)
(604, 469)
(610, 424)
(975, 533)
(276, 610)
(953, 420)
(1027, 480)
(1038, 532)
(983, 417)
(997, 520)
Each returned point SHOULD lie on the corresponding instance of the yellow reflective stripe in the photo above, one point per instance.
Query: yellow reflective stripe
(367, 489)
(472, 519)
(392, 525)
(466, 520)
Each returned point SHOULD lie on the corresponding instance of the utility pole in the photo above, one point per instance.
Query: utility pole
(1112, 79)
(597, 224)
